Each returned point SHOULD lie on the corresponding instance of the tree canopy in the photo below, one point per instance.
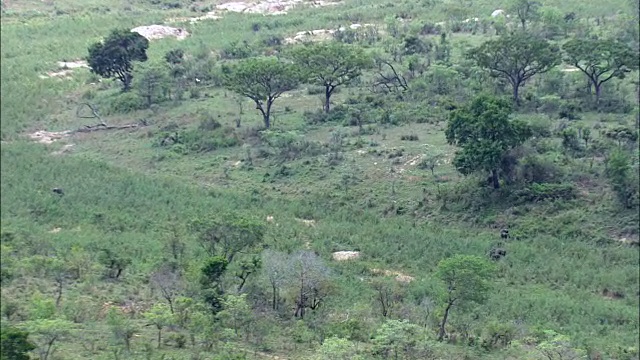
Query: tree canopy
(114, 57)
(516, 57)
(600, 60)
(262, 80)
(466, 278)
(330, 65)
(485, 133)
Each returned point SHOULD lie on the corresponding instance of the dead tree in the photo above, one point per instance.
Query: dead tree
(390, 80)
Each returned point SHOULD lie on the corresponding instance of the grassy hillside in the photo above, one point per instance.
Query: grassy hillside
(86, 273)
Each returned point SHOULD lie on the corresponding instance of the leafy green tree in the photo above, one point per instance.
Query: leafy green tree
(600, 60)
(525, 10)
(516, 57)
(466, 278)
(246, 268)
(114, 56)
(46, 333)
(14, 344)
(335, 348)
(262, 80)
(152, 83)
(160, 316)
(228, 234)
(621, 179)
(211, 281)
(399, 339)
(122, 328)
(485, 134)
(236, 313)
(558, 347)
(330, 65)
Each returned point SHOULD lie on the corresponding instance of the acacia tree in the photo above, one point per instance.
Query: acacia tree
(485, 134)
(276, 271)
(330, 65)
(516, 57)
(526, 11)
(466, 278)
(262, 80)
(227, 235)
(114, 57)
(600, 60)
(310, 275)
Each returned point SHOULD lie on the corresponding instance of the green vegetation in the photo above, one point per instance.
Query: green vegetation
(469, 189)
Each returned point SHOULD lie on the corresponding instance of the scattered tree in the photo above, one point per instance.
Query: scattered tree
(170, 284)
(246, 268)
(330, 65)
(152, 83)
(516, 57)
(310, 274)
(388, 294)
(227, 235)
(466, 278)
(262, 80)
(335, 348)
(114, 57)
(236, 313)
(211, 282)
(46, 333)
(160, 317)
(400, 339)
(122, 328)
(275, 270)
(525, 10)
(485, 134)
(600, 60)
(14, 344)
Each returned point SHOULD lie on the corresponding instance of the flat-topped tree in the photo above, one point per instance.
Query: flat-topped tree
(262, 80)
(330, 65)
(516, 57)
(600, 60)
(114, 56)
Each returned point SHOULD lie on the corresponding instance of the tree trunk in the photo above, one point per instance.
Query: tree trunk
(444, 321)
(516, 96)
(494, 179)
(275, 300)
(327, 96)
(170, 304)
(159, 336)
(598, 87)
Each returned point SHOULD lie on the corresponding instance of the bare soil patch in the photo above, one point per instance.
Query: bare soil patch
(398, 275)
(345, 255)
(48, 137)
(155, 32)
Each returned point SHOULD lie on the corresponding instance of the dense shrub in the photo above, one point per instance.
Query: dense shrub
(126, 102)
(538, 169)
(541, 192)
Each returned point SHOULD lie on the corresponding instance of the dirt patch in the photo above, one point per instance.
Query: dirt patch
(73, 64)
(309, 223)
(399, 276)
(48, 137)
(154, 32)
(269, 7)
(54, 230)
(345, 255)
(65, 150)
(625, 241)
(212, 15)
(319, 34)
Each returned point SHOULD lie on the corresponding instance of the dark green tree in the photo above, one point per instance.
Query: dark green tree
(14, 344)
(262, 80)
(466, 279)
(211, 282)
(516, 57)
(600, 60)
(331, 65)
(227, 235)
(114, 56)
(484, 132)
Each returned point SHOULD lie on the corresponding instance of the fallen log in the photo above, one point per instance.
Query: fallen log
(99, 127)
